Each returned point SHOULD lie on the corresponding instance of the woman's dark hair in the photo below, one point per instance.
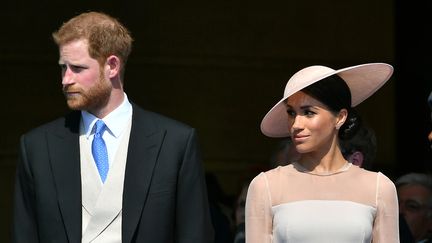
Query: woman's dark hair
(334, 92)
(363, 141)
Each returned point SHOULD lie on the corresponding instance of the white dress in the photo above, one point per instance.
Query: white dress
(290, 205)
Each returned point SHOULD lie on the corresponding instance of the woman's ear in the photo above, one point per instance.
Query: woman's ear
(341, 118)
(356, 158)
(113, 65)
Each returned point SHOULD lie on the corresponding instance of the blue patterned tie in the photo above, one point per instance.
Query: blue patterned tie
(99, 150)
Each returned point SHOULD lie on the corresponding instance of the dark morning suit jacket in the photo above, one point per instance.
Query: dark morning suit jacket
(164, 195)
(405, 235)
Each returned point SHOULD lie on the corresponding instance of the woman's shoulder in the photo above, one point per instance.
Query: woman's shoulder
(385, 183)
(282, 170)
(264, 177)
(380, 179)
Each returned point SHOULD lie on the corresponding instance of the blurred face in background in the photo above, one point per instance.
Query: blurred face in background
(430, 133)
(430, 138)
(414, 207)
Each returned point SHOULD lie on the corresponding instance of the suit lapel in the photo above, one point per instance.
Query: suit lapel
(144, 144)
(65, 163)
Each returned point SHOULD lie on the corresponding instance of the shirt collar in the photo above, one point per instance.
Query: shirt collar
(115, 121)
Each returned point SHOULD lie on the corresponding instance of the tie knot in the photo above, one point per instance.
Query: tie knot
(99, 127)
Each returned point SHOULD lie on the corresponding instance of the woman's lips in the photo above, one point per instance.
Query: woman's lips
(300, 138)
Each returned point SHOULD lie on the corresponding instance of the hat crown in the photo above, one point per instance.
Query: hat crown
(306, 76)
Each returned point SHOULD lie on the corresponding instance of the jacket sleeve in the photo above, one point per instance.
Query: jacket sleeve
(24, 227)
(193, 222)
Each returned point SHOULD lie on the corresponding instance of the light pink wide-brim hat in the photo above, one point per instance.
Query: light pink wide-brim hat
(363, 80)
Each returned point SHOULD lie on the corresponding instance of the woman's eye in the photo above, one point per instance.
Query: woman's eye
(309, 113)
(291, 113)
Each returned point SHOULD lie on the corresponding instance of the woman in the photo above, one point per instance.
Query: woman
(321, 197)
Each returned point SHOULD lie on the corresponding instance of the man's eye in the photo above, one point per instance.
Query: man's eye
(76, 69)
(413, 206)
(63, 68)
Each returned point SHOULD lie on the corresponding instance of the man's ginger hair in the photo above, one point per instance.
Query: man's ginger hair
(104, 34)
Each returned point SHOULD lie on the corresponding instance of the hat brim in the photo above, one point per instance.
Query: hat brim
(362, 80)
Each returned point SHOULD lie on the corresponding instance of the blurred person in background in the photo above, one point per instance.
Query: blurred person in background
(415, 204)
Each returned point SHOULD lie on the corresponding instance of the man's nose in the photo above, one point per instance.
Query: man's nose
(67, 76)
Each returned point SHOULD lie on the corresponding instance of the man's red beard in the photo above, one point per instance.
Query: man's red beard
(93, 99)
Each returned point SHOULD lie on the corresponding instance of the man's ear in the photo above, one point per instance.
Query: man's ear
(341, 118)
(356, 158)
(113, 64)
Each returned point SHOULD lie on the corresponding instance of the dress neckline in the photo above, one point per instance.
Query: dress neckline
(302, 169)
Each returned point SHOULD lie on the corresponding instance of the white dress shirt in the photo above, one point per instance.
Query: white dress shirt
(116, 123)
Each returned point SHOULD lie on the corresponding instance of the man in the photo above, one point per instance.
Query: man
(108, 171)
(415, 204)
